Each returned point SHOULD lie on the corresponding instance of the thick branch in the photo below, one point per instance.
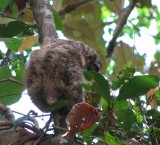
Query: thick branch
(120, 24)
(44, 20)
(73, 6)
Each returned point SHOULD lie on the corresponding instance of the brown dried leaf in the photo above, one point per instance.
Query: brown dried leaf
(151, 99)
(81, 117)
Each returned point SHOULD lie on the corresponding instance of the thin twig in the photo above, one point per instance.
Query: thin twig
(12, 80)
(120, 24)
(45, 130)
(73, 6)
(135, 27)
(155, 123)
(61, 128)
(32, 128)
(48, 122)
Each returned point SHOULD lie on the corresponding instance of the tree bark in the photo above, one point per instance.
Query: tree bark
(44, 20)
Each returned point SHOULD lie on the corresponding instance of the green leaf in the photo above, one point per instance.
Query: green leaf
(139, 118)
(98, 131)
(57, 20)
(105, 13)
(154, 114)
(14, 8)
(125, 118)
(86, 86)
(137, 86)
(104, 104)
(4, 4)
(126, 74)
(122, 111)
(28, 31)
(111, 140)
(10, 92)
(60, 104)
(14, 44)
(136, 128)
(19, 121)
(100, 84)
(19, 70)
(88, 75)
(88, 132)
(116, 85)
(121, 105)
(11, 29)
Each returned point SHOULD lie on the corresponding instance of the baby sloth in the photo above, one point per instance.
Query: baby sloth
(56, 70)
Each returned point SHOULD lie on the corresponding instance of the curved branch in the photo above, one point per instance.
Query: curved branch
(74, 6)
(120, 24)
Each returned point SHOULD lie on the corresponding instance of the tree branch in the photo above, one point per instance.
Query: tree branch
(73, 6)
(120, 24)
(44, 20)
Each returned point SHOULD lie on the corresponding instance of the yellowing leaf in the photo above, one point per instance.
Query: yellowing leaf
(138, 63)
(28, 42)
(5, 20)
(114, 6)
(27, 15)
(122, 56)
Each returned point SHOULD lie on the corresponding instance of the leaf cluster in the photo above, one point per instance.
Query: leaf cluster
(125, 112)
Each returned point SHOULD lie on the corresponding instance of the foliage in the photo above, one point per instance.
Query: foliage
(126, 113)
(122, 95)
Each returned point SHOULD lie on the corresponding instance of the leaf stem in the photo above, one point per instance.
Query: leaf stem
(12, 80)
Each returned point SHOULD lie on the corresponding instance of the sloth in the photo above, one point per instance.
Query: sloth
(55, 72)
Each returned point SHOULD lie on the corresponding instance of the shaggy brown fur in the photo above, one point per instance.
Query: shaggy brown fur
(56, 72)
